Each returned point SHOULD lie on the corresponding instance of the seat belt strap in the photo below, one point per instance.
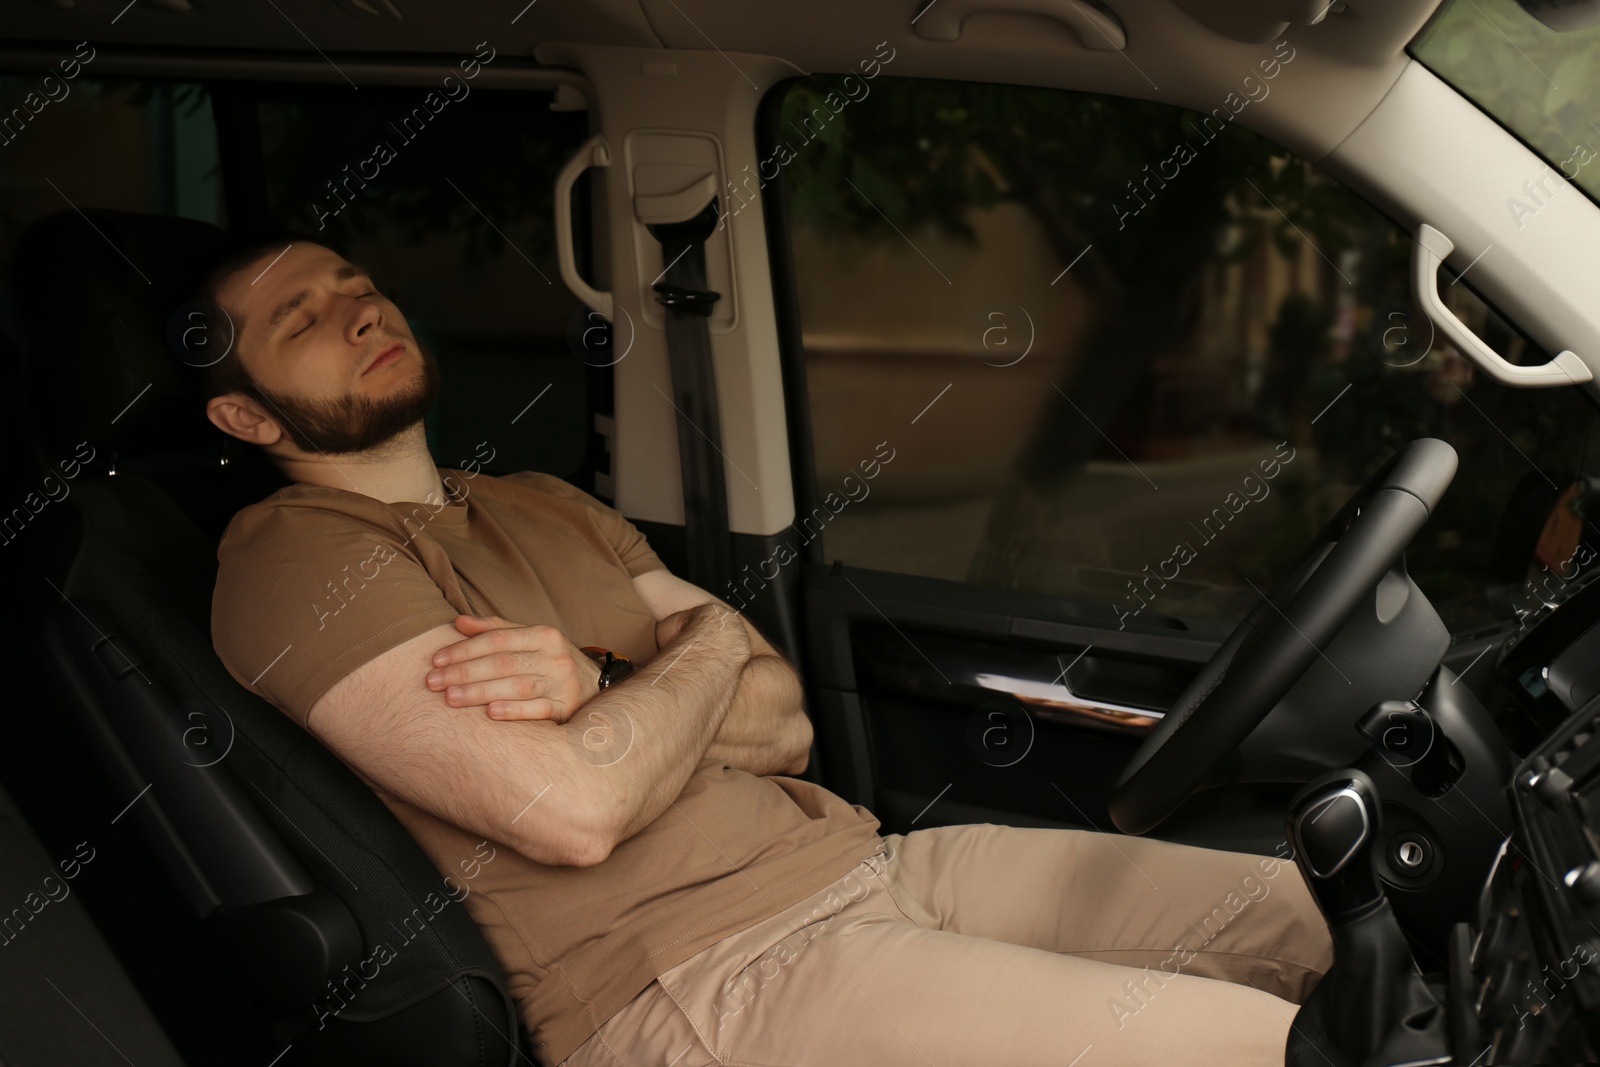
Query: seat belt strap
(687, 305)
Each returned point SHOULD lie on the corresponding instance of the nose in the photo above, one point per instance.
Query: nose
(363, 316)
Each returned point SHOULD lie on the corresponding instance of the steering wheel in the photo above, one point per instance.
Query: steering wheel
(1280, 638)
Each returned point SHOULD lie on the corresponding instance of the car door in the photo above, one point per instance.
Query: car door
(1072, 379)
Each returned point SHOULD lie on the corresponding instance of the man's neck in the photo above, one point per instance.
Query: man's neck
(401, 469)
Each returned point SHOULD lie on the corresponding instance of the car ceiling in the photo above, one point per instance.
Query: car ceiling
(807, 34)
(1190, 52)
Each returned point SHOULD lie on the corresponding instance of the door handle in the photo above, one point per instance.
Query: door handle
(1056, 700)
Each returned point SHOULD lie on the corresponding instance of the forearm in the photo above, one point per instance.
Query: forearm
(656, 725)
(766, 730)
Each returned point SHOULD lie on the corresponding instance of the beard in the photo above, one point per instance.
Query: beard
(353, 424)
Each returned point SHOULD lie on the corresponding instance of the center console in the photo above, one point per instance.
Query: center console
(1535, 961)
(1495, 883)
(1535, 964)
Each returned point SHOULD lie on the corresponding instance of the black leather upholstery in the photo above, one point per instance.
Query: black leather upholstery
(294, 865)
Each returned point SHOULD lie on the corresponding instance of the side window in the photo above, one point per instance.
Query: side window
(1103, 337)
(445, 196)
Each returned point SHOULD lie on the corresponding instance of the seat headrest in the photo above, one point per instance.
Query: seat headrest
(96, 291)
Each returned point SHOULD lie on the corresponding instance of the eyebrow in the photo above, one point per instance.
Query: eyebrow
(281, 313)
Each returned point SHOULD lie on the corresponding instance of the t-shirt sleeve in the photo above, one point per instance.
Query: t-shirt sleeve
(625, 539)
(305, 596)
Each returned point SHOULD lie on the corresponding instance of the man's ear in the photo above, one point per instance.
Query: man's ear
(238, 416)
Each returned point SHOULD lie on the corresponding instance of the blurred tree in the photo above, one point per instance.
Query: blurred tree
(1147, 189)
(1542, 85)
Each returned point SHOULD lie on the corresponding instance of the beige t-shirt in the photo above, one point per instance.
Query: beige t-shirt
(315, 581)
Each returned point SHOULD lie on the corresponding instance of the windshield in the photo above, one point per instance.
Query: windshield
(1541, 84)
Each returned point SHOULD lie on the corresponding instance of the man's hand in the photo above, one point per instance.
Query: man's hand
(520, 672)
(667, 628)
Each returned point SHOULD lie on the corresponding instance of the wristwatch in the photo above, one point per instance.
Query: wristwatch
(613, 668)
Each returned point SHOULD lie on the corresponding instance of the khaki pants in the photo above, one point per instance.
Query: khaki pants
(997, 946)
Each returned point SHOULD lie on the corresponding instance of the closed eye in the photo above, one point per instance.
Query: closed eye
(312, 320)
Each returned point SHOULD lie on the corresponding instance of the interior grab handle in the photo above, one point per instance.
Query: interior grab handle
(592, 153)
(1097, 31)
(1428, 253)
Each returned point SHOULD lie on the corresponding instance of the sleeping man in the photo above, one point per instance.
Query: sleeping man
(659, 884)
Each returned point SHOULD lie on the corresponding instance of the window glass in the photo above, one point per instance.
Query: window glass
(1050, 337)
(1541, 83)
(446, 197)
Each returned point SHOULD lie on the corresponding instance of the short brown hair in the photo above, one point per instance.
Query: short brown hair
(229, 374)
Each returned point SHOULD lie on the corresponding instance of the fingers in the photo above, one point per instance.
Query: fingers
(477, 624)
(523, 672)
(539, 708)
(516, 693)
(514, 677)
(668, 628)
(511, 699)
(553, 673)
(493, 665)
(494, 634)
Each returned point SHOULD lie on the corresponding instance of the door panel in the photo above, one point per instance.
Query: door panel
(962, 692)
(914, 684)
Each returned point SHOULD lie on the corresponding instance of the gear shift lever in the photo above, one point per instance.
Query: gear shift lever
(1332, 830)
(1372, 1008)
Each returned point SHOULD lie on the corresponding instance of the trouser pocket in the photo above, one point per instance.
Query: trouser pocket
(723, 986)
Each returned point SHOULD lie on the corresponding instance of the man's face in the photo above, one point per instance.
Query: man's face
(309, 327)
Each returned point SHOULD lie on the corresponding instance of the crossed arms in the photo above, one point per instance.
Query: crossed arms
(766, 730)
(571, 771)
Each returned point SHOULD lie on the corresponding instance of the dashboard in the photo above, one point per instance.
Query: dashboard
(1534, 965)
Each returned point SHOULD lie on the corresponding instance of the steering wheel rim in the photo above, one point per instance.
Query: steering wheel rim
(1282, 635)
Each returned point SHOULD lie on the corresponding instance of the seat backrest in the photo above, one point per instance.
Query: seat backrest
(352, 945)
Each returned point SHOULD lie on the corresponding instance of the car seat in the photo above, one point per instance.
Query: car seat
(297, 868)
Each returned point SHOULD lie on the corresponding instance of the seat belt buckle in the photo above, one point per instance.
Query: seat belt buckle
(689, 301)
